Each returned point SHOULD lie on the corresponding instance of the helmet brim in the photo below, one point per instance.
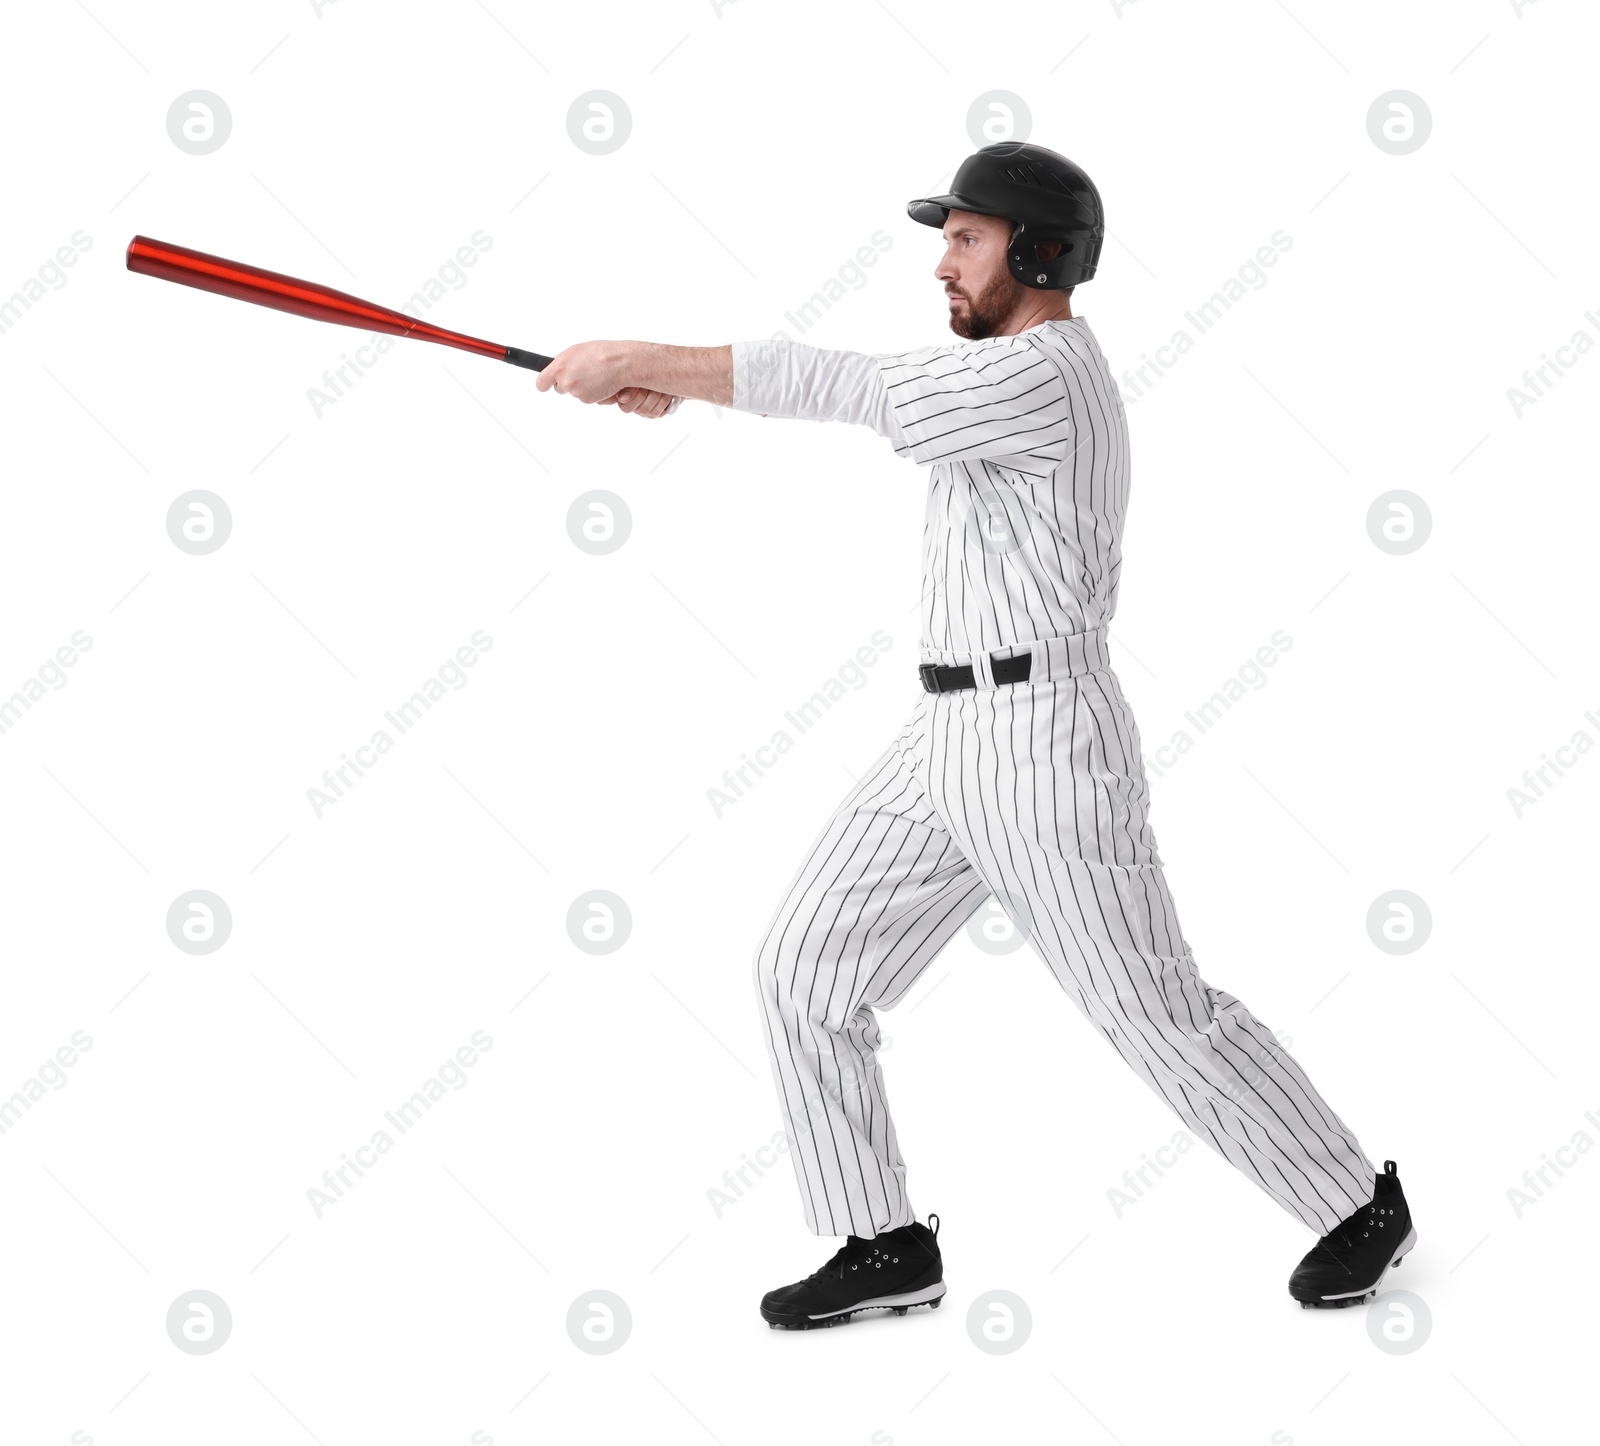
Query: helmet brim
(935, 210)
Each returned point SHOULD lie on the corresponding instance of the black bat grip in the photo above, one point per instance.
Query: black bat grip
(530, 359)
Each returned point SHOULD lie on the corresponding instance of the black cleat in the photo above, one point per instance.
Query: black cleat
(1348, 1264)
(896, 1270)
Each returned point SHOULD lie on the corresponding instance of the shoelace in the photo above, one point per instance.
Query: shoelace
(1344, 1231)
(870, 1256)
(835, 1265)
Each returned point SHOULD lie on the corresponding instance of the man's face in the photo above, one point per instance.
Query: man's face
(983, 293)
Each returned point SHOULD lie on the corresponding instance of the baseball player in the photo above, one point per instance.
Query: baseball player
(1019, 775)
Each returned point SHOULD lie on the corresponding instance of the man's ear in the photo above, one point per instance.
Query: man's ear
(1047, 250)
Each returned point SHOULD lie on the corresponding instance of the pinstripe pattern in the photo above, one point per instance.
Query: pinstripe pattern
(1034, 792)
(1028, 446)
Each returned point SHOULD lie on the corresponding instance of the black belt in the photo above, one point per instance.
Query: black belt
(937, 678)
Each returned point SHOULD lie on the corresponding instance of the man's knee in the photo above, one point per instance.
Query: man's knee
(764, 973)
(773, 965)
(786, 968)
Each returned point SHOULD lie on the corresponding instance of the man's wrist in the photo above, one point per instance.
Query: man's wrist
(651, 361)
(628, 363)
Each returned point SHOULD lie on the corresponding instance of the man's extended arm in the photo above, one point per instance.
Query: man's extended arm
(1005, 397)
(767, 377)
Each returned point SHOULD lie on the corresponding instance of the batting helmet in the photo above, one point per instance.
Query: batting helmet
(1044, 194)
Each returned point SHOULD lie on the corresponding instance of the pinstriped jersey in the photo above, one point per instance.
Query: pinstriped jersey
(1026, 443)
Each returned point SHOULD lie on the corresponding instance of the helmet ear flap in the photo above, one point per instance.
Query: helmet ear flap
(1069, 264)
(1028, 267)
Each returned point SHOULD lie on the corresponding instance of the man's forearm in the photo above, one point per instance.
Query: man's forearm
(702, 373)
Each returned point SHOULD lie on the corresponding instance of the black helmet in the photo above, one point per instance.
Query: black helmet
(1048, 198)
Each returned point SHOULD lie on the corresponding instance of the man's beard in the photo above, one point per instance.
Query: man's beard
(989, 310)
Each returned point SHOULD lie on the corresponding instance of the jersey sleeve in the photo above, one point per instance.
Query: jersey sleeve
(999, 398)
(781, 378)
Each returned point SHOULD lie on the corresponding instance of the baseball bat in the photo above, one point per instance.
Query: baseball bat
(303, 298)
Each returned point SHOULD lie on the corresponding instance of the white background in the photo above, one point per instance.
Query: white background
(768, 143)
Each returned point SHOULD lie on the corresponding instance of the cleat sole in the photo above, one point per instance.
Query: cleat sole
(929, 1295)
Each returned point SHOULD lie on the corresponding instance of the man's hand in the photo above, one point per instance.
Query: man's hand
(642, 402)
(592, 371)
(596, 371)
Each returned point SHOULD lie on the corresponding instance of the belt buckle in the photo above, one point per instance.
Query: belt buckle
(929, 673)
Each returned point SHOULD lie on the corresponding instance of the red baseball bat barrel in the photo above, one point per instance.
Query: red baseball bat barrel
(243, 282)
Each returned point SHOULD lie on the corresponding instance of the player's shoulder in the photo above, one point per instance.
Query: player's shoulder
(1069, 334)
(954, 354)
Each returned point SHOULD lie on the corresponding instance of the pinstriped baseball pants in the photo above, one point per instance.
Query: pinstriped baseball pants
(1033, 793)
